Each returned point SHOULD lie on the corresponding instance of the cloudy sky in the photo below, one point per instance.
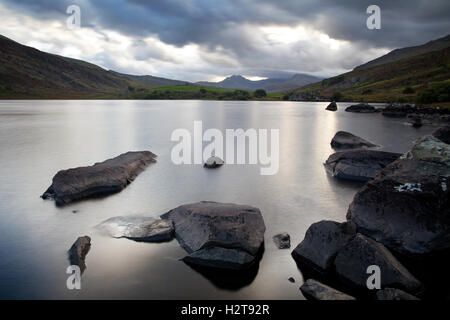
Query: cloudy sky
(207, 40)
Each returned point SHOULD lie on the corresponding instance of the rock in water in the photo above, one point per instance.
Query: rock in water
(213, 162)
(282, 241)
(361, 108)
(322, 242)
(443, 134)
(332, 106)
(138, 228)
(360, 165)
(315, 290)
(103, 178)
(78, 251)
(407, 206)
(222, 235)
(346, 140)
(356, 256)
(394, 294)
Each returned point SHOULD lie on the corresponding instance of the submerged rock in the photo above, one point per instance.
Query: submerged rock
(213, 162)
(77, 253)
(394, 294)
(138, 228)
(361, 108)
(332, 106)
(407, 206)
(356, 256)
(102, 178)
(282, 241)
(360, 165)
(321, 244)
(234, 231)
(315, 290)
(346, 140)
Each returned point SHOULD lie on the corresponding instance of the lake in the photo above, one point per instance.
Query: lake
(39, 138)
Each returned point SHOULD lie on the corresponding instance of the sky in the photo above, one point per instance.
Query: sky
(196, 40)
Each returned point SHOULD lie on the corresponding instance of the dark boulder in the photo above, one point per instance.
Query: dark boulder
(360, 165)
(315, 290)
(443, 134)
(407, 206)
(213, 162)
(356, 256)
(361, 108)
(77, 253)
(394, 294)
(398, 110)
(102, 178)
(322, 242)
(346, 140)
(332, 106)
(218, 226)
(282, 241)
(138, 228)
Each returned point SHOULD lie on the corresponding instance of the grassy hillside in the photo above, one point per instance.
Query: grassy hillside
(422, 78)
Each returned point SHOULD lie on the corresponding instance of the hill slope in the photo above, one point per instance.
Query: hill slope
(417, 74)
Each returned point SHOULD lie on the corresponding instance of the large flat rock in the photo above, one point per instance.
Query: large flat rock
(204, 225)
(359, 165)
(102, 178)
(347, 140)
(361, 108)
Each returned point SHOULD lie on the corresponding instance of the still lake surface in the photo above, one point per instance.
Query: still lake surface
(38, 138)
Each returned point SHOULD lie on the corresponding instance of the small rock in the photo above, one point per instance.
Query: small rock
(332, 106)
(361, 108)
(78, 251)
(315, 290)
(443, 134)
(213, 162)
(356, 256)
(282, 240)
(394, 294)
(291, 280)
(346, 140)
(322, 242)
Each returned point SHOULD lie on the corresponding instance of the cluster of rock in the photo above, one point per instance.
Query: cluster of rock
(417, 115)
(404, 211)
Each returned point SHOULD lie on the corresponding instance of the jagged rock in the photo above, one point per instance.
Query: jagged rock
(213, 162)
(332, 106)
(443, 134)
(361, 108)
(394, 294)
(282, 241)
(407, 206)
(219, 226)
(356, 256)
(315, 290)
(77, 253)
(138, 228)
(322, 242)
(346, 140)
(102, 178)
(360, 165)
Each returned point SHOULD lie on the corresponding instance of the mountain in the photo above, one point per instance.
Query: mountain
(26, 72)
(418, 74)
(270, 84)
(152, 80)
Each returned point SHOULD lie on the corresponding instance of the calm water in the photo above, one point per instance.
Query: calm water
(38, 138)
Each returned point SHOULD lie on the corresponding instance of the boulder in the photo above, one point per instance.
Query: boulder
(360, 165)
(361, 108)
(321, 244)
(332, 106)
(416, 121)
(356, 256)
(213, 162)
(346, 140)
(78, 251)
(407, 206)
(398, 110)
(282, 241)
(443, 134)
(103, 178)
(394, 294)
(212, 225)
(138, 228)
(315, 290)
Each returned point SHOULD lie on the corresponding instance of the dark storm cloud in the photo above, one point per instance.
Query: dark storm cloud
(225, 27)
